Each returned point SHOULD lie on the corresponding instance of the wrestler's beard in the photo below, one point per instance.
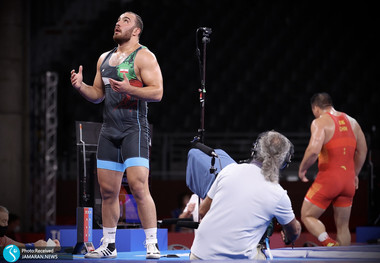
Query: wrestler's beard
(120, 39)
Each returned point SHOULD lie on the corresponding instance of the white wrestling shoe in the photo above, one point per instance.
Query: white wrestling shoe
(106, 250)
(152, 251)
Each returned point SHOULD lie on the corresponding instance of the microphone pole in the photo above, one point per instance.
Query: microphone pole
(206, 32)
(202, 66)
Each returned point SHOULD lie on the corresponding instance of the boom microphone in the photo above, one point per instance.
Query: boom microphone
(207, 150)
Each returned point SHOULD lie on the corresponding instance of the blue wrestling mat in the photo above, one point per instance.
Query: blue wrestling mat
(357, 253)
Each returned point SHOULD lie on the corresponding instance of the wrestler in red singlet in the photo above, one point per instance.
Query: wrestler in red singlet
(339, 144)
(335, 164)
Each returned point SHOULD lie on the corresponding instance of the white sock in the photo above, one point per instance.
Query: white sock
(109, 234)
(151, 235)
(322, 237)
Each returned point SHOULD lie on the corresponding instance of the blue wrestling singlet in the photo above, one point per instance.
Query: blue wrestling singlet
(125, 136)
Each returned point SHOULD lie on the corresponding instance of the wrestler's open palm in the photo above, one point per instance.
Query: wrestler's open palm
(121, 86)
(77, 78)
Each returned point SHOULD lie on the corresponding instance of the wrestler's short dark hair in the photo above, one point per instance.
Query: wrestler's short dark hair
(139, 23)
(322, 100)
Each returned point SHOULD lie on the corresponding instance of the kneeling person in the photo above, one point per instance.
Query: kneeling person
(242, 202)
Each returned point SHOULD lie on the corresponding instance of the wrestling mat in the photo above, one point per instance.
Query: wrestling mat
(355, 253)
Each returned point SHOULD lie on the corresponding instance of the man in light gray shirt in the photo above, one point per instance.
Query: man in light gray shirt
(242, 202)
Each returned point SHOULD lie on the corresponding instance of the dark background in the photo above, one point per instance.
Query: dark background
(264, 61)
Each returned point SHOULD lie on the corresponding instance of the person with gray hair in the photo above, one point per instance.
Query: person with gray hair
(243, 200)
(269, 150)
(5, 241)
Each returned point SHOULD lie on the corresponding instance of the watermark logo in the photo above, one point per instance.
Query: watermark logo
(11, 253)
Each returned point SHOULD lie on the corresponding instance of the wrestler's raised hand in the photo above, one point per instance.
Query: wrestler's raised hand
(77, 78)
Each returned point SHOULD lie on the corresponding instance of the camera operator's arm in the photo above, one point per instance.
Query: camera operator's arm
(291, 228)
(205, 206)
(188, 211)
(291, 231)
(206, 203)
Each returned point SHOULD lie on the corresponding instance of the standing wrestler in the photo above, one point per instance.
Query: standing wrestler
(338, 143)
(127, 77)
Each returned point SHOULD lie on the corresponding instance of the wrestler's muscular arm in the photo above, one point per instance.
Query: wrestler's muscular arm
(149, 72)
(94, 93)
(361, 149)
(316, 142)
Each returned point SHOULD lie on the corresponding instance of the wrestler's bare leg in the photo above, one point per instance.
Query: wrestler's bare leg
(137, 177)
(342, 219)
(310, 214)
(110, 182)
